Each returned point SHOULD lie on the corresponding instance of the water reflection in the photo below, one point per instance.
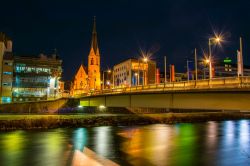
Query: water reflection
(211, 143)
(103, 141)
(229, 132)
(48, 148)
(80, 138)
(244, 140)
(12, 143)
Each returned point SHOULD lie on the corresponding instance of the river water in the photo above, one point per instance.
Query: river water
(210, 143)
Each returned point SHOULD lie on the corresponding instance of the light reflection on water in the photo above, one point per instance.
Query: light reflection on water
(211, 143)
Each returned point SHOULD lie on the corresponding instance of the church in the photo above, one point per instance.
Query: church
(88, 78)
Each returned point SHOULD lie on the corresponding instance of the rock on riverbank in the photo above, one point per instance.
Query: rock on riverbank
(16, 122)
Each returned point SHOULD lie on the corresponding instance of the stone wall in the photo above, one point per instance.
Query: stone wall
(51, 106)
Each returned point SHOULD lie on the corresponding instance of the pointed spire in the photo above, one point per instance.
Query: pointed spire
(94, 43)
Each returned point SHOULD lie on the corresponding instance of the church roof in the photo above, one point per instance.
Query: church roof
(78, 70)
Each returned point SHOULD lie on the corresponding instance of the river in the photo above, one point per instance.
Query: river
(210, 143)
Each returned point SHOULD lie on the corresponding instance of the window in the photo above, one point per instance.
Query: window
(8, 63)
(6, 84)
(7, 73)
(92, 61)
(6, 99)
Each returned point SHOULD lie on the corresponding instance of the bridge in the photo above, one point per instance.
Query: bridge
(228, 94)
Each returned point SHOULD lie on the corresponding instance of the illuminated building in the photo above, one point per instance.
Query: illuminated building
(36, 78)
(89, 78)
(227, 68)
(134, 72)
(6, 68)
(80, 84)
(94, 75)
(29, 78)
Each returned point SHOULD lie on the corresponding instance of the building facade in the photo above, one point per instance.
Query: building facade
(28, 78)
(89, 78)
(5, 68)
(80, 84)
(36, 78)
(133, 72)
(227, 68)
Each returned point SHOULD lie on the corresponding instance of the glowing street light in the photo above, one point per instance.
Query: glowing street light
(217, 39)
(145, 60)
(206, 61)
(107, 71)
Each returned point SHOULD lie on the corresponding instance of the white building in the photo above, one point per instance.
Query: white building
(132, 72)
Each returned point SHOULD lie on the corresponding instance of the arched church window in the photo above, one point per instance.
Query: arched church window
(81, 84)
(92, 61)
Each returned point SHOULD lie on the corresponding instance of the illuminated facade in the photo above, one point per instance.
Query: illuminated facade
(27, 78)
(36, 78)
(134, 72)
(80, 83)
(227, 68)
(89, 79)
(6, 68)
(94, 76)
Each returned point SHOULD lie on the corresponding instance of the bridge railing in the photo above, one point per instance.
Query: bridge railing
(215, 83)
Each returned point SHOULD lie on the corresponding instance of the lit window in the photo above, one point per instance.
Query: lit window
(6, 99)
(7, 73)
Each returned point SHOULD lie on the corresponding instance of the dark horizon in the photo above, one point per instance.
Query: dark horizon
(123, 27)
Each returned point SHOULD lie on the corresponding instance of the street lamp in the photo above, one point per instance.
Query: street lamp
(107, 71)
(136, 74)
(206, 62)
(188, 69)
(216, 39)
(145, 60)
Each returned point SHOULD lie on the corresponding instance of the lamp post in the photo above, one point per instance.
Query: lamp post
(103, 80)
(165, 69)
(145, 59)
(113, 75)
(136, 74)
(216, 39)
(195, 59)
(206, 61)
(188, 69)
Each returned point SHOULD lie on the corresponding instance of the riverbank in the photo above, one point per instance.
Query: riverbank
(17, 122)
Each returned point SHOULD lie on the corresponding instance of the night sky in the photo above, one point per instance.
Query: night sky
(169, 28)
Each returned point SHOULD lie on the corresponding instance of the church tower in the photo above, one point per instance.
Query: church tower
(94, 62)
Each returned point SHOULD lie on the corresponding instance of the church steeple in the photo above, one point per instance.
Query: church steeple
(94, 74)
(94, 43)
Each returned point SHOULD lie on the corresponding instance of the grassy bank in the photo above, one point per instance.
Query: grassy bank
(15, 122)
